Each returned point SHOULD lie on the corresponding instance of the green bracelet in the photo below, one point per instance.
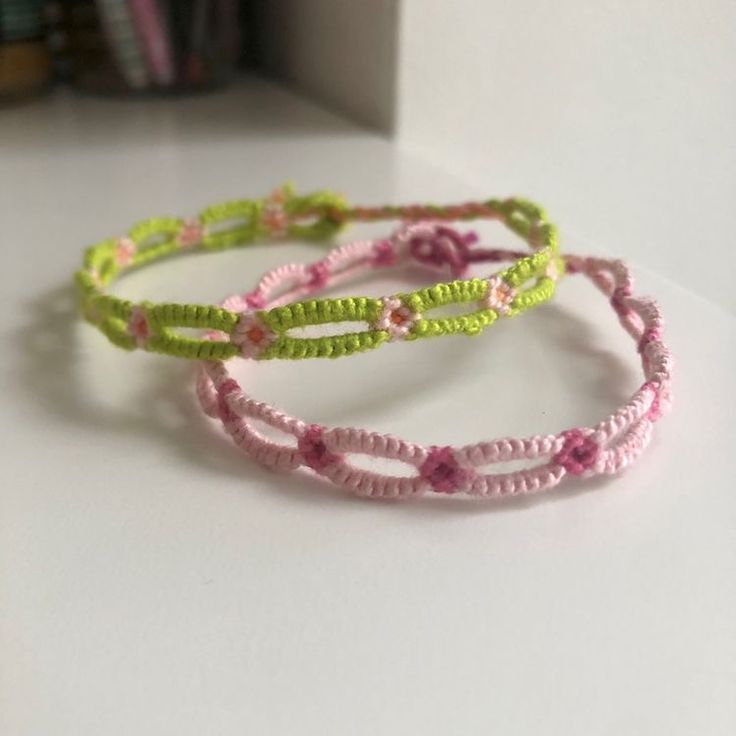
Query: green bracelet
(265, 334)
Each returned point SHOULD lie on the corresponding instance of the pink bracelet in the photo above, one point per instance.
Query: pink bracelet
(606, 448)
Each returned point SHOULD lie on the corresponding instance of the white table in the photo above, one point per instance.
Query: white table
(155, 582)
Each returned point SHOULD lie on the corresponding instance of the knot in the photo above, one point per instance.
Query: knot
(579, 452)
(437, 245)
(314, 452)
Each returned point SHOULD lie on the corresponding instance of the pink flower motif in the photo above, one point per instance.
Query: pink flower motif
(437, 245)
(275, 221)
(274, 217)
(125, 249)
(319, 275)
(384, 253)
(396, 318)
(499, 295)
(579, 452)
(443, 472)
(252, 335)
(138, 327)
(312, 447)
(191, 233)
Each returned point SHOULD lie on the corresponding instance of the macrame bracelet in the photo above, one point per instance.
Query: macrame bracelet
(608, 447)
(266, 334)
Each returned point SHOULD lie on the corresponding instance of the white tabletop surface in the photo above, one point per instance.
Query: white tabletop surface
(155, 582)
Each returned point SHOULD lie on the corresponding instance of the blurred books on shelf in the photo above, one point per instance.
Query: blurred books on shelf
(119, 46)
(25, 60)
(151, 45)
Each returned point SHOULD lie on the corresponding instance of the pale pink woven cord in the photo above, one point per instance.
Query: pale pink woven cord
(607, 448)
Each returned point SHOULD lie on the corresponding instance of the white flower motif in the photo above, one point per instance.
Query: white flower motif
(252, 335)
(396, 318)
(499, 295)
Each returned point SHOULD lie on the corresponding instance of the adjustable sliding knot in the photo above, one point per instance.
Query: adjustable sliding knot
(437, 245)
(263, 334)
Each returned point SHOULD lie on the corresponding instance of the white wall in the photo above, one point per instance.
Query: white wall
(340, 52)
(620, 116)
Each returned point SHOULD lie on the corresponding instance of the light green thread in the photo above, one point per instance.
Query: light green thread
(521, 215)
(440, 295)
(169, 343)
(333, 346)
(237, 223)
(320, 312)
(191, 315)
(542, 291)
(149, 232)
(116, 332)
(226, 225)
(468, 324)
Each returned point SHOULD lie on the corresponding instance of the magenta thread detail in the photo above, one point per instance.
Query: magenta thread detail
(579, 452)
(314, 451)
(384, 253)
(438, 245)
(443, 472)
(319, 275)
(607, 447)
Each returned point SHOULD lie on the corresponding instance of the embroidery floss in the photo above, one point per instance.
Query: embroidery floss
(524, 284)
(604, 448)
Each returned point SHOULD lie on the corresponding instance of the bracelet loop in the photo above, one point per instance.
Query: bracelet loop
(319, 215)
(604, 448)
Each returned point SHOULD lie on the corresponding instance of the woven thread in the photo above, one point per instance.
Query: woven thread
(319, 215)
(605, 448)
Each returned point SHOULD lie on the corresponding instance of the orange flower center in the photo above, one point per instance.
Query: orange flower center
(397, 318)
(255, 334)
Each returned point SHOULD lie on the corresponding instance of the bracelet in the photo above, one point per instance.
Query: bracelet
(606, 448)
(265, 334)
(148, 326)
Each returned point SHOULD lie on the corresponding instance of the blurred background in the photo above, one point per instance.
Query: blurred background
(617, 115)
(117, 46)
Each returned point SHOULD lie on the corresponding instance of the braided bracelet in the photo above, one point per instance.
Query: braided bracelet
(607, 447)
(265, 334)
